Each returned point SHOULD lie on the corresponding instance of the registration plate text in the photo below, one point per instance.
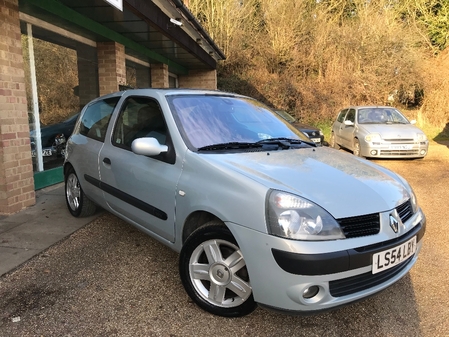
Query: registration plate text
(401, 147)
(45, 153)
(393, 256)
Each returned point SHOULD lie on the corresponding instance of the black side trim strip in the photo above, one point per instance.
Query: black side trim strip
(336, 262)
(143, 206)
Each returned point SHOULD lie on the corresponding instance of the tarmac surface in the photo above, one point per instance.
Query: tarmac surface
(101, 277)
(32, 230)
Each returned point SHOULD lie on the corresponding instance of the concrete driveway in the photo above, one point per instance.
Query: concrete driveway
(108, 279)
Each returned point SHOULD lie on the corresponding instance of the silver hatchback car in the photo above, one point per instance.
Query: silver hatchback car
(259, 214)
(378, 132)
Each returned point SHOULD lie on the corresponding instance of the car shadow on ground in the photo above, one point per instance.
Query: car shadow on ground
(443, 136)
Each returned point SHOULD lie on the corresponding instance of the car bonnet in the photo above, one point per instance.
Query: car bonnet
(342, 184)
(393, 131)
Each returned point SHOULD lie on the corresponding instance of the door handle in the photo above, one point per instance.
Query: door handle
(107, 161)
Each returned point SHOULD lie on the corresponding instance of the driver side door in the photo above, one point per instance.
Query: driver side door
(136, 187)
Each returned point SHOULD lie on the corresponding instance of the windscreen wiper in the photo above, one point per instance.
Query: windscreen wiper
(230, 146)
(283, 142)
(395, 122)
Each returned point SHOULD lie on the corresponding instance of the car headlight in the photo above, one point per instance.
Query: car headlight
(293, 217)
(373, 137)
(413, 199)
(321, 133)
(421, 137)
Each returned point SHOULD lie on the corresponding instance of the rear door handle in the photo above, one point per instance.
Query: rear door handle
(107, 161)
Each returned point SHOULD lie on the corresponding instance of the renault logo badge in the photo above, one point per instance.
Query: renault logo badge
(394, 224)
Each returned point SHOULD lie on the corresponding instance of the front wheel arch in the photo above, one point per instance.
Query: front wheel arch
(356, 148)
(196, 220)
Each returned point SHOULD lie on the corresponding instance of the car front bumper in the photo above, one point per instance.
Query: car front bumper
(315, 137)
(394, 149)
(282, 271)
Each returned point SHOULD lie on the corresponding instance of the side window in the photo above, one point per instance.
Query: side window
(95, 119)
(351, 115)
(341, 116)
(140, 117)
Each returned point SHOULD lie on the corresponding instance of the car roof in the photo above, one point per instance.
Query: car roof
(370, 107)
(171, 91)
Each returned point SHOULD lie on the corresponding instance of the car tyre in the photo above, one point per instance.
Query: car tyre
(333, 143)
(357, 151)
(78, 204)
(213, 272)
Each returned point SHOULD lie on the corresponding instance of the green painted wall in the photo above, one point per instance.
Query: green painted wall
(48, 177)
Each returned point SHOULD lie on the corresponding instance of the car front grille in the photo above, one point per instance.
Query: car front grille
(360, 225)
(399, 152)
(354, 284)
(405, 211)
(369, 224)
(400, 140)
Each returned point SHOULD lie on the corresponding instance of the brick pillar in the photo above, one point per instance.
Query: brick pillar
(159, 75)
(87, 74)
(16, 167)
(111, 66)
(199, 79)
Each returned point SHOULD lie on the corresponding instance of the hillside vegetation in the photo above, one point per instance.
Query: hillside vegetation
(314, 57)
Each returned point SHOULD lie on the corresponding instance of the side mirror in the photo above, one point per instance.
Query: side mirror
(148, 147)
(413, 121)
(348, 123)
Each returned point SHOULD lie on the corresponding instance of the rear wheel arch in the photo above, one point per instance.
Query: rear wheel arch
(67, 167)
(78, 204)
(333, 142)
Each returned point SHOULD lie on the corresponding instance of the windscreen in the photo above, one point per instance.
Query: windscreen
(207, 120)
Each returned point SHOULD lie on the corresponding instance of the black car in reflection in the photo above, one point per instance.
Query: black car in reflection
(313, 133)
(53, 138)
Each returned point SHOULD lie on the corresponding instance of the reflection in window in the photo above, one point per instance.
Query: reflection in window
(95, 120)
(141, 117)
(207, 120)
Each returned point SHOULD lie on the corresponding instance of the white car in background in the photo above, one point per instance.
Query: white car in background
(378, 132)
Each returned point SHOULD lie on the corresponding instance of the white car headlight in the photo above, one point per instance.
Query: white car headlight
(421, 137)
(293, 217)
(373, 137)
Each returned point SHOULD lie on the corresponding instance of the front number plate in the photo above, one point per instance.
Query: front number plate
(393, 256)
(401, 147)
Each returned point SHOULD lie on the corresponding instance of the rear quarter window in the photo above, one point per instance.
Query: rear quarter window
(95, 120)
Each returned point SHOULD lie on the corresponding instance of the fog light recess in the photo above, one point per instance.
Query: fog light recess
(310, 292)
(373, 152)
(423, 152)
